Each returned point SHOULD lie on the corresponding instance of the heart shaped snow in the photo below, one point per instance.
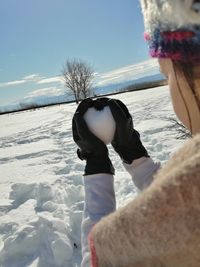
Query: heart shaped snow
(101, 123)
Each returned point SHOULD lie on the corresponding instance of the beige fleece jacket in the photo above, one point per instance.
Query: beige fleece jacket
(161, 227)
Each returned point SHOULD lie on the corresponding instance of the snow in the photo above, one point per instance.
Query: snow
(41, 188)
(101, 123)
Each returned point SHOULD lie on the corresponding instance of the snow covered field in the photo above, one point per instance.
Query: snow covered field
(41, 189)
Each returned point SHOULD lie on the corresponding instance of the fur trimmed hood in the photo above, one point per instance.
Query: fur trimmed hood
(161, 227)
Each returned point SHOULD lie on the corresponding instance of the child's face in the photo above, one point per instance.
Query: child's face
(185, 105)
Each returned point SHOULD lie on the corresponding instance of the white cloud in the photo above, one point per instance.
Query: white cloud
(130, 72)
(26, 79)
(33, 78)
(56, 79)
(12, 83)
(47, 91)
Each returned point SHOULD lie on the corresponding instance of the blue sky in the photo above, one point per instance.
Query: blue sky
(37, 36)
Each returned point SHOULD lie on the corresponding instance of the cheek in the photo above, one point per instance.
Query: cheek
(179, 104)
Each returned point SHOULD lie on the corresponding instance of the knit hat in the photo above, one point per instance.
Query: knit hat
(172, 28)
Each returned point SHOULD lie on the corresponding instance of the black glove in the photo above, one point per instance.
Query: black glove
(91, 148)
(126, 141)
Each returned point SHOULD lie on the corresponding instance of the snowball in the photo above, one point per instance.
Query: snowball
(101, 123)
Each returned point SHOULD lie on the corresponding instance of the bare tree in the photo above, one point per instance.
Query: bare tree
(78, 76)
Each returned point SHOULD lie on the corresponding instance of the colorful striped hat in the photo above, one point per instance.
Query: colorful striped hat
(172, 28)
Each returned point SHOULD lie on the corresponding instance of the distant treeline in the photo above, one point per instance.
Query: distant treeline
(130, 88)
(137, 87)
(146, 85)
